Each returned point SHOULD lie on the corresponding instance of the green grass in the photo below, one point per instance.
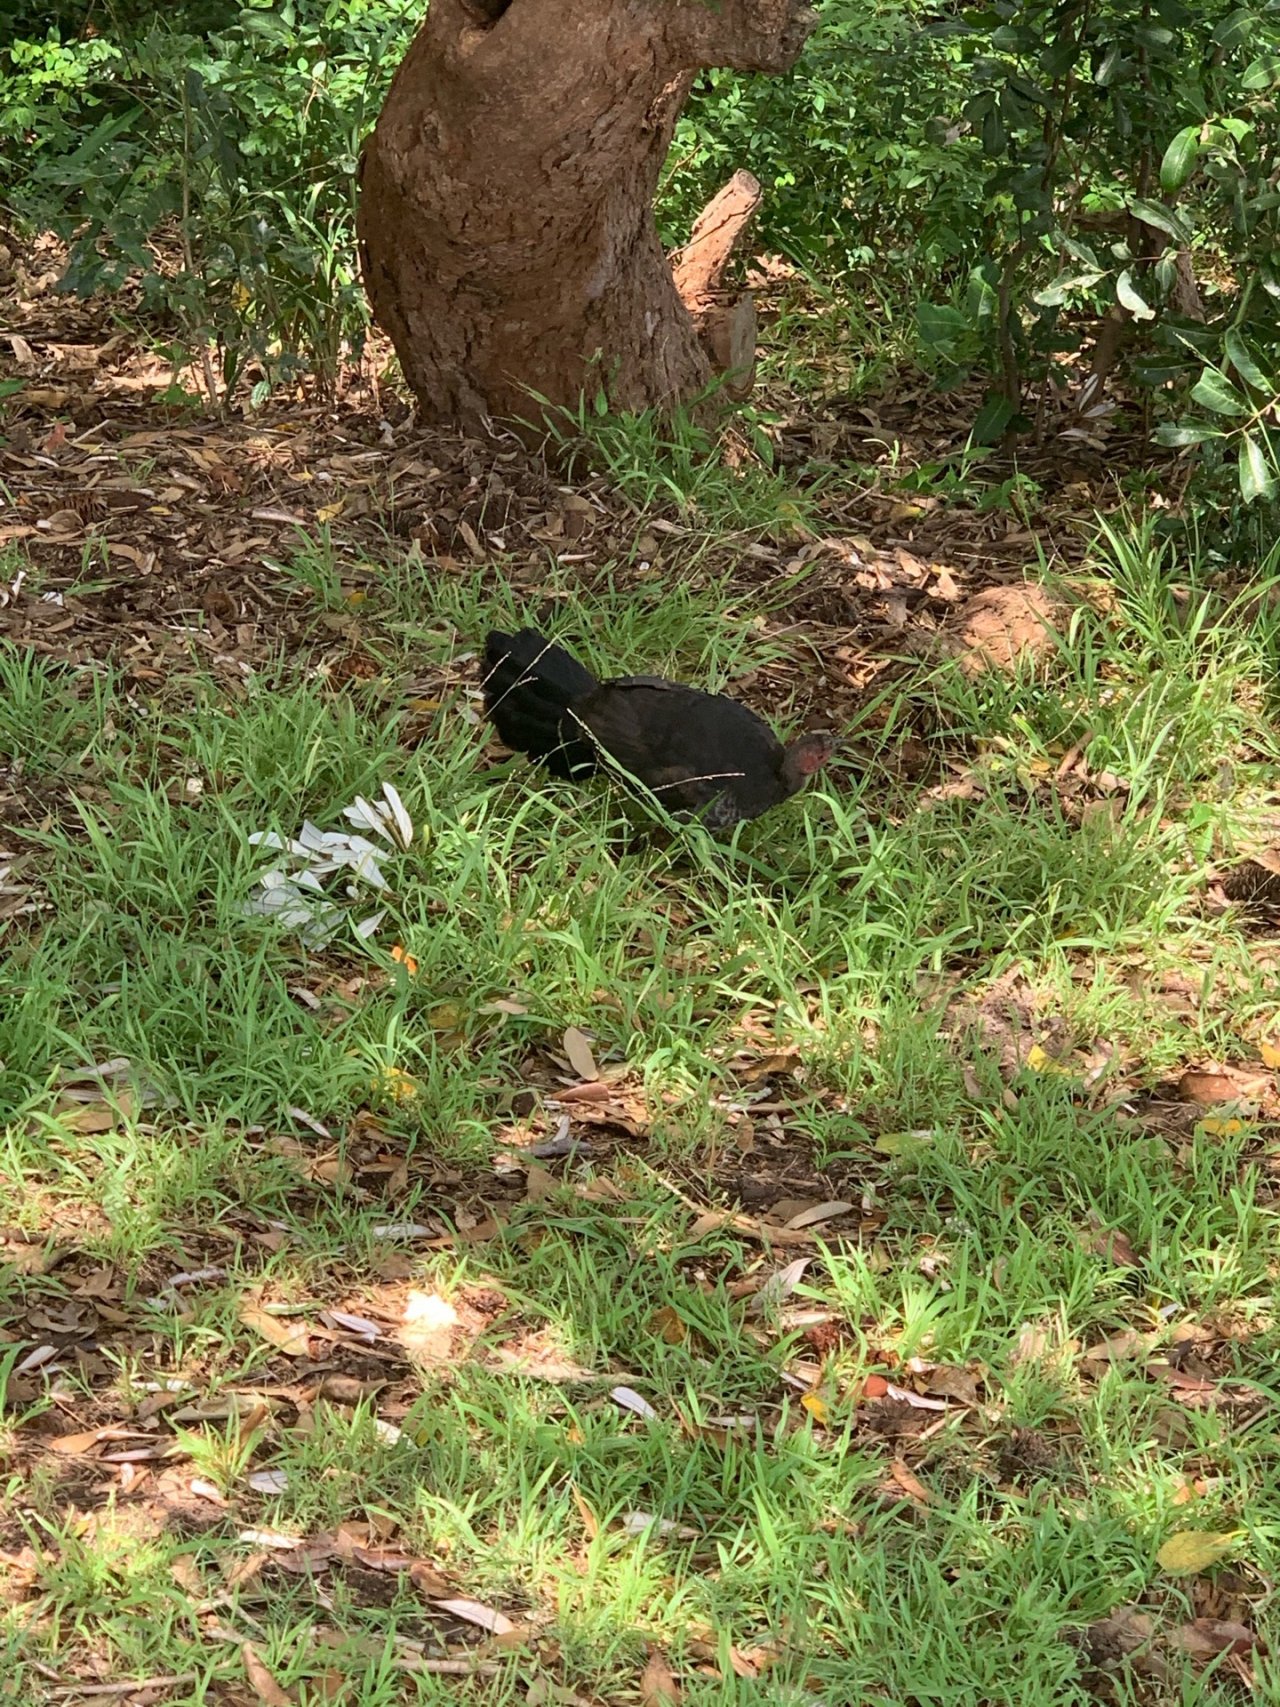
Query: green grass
(849, 928)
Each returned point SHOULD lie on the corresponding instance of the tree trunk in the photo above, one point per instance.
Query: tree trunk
(506, 212)
(725, 321)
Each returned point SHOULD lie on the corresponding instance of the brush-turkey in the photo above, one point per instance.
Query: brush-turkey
(695, 752)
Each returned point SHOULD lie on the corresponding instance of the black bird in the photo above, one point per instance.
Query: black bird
(695, 752)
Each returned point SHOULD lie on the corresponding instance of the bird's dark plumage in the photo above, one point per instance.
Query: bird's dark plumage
(696, 752)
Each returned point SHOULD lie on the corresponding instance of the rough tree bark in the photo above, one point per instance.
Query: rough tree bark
(506, 212)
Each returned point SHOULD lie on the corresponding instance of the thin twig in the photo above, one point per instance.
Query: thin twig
(102, 1690)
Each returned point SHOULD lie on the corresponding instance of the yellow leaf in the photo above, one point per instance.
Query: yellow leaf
(396, 1084)
(1270, 1053)
(1039, 1061)
(330, 512)
(1220, 1125)
(816, 1406)
(1196, 1549)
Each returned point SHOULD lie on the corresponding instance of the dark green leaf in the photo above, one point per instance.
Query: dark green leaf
(940, 325)
(1161, 217)
(1109, 64)
(1217, 393)
(1181, 434)
(1257, 471)
(1180, 159)
(994, 416)
(1236, 27)
(1243, 361)
(1262, 73)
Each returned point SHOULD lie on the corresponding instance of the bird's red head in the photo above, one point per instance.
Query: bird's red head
(806, 756)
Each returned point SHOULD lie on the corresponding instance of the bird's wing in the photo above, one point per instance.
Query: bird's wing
(687, 747)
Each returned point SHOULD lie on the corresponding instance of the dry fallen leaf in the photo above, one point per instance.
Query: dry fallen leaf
(1118, 1347)
(908, 1396)
(910, 1483)
(73, 1445)
(1230, 1085)
(1113, 1246)
(1030, 1346)
(630, 1400)
(577, 1048)
(24, 1256)
(476, 1612)
(1127, 1634)
(427, 1580)
(540, 1183)
(658, 1687)
(1040, 1061)
(819, 1212)
(782, 1061)
(292, 1338)
(668, 1325)
(90, 1118)
(261, 1681)
(590, 1522)
(1222, 1126)
(1206, 1638)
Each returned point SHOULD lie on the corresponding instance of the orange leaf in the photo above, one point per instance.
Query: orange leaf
(910, 1483)
(590, 1522)
(72, 1445)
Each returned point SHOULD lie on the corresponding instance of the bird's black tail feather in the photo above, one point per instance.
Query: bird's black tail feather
(529, 685)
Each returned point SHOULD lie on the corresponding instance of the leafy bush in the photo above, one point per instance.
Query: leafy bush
(1066, 177)
(1127, 167)
(841, 146)
(241, 144)
(1094, 178)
